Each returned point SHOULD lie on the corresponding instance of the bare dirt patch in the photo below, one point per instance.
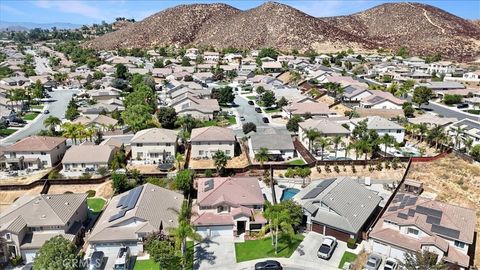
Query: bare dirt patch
(8, 197)
(454, 181)
(103, 190)
(240, 161)
(24, 179)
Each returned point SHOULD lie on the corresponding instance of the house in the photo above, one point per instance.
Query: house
(100, 108)
(441, 67)
(82, 69)
(382, 126)
(385, 113)
(414, 60)
(87, 158)
(412, 223)
(35, 152)
(203, 77)
(32, 220)
(211, 56)
(432, 120)
(191, 53)
(228, 207)
(133, 215)
(233, 57)
(327, 127)
(101, 122)
(447, 85)
(278, 143)
(340, 207)
(467, 129)
(154, 144)
(316, 109)
(272, 66)
(104, 94)
(206, 141)
(381, 100)
(473, 76)
(199, 108)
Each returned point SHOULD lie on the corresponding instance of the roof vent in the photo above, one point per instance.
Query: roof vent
(67, 203)
(170, 220)
(175, 197)
(48, 197)
(362, 205)
(153, 189)
(43, 216)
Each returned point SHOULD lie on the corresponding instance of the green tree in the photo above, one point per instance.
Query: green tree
(52, 122)
(184, 180)
(422, 95)
(221, 160)
(137, 117)
(402, 52)
(57, 253)
(475, 152)
(119, 159)
(408, 109)
(121, 71)
(311, 134)
(119, 182)
(158, 63)
(179, 159)
(336, 141)
(282, 102)
(422, 260)
(249, 127)
(268, 52)
(387, 141)
(97, 75)
(163, 252)
(226, 95)
(280, 222)
(293, 123)
(167, 116)
(322, 143)
(262, 155)
(185, 62)
(187, 123)
(268, 98)
(260, 90)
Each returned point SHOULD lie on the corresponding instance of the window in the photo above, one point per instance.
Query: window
(399, 131)
(139, 144)
(43, 153)
(227, 152)
(168, 144)
(413, 231)
(83, 165)
(459, 244)
(8, 236)
(200, 153)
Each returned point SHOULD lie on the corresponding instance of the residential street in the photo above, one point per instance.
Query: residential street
(42, 66)
(446, 111)
(57, 108)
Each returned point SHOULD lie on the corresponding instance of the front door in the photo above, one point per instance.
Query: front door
(240, 227)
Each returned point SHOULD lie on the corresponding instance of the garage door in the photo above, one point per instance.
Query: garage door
(317, 228)
(111, 250)
(30, 256)
(380, 248)
(337, 234)
(214, 231)
(397, 253)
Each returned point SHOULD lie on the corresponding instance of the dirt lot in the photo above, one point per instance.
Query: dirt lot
(8, 197)
(339, 109)
(236, 162)
(454, 181)
(384, 174)
(23, 179)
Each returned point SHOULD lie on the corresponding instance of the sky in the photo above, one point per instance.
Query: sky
(89, 11)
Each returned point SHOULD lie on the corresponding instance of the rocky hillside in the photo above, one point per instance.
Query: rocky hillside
(421, 28)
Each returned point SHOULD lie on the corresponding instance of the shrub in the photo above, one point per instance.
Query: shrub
(351, 243)
(208, 173)
(327, 168)
(161, 182)
(280, 175)
(54, 175)
(102, 171)
(319, 169)
(452, 99)
(354, 170)
(91, 193)
(344, 168)
(17, 260)
(370, 168)
(336, 169)
(85, 176)
(249, 127)
(290, 173)
(379, 166)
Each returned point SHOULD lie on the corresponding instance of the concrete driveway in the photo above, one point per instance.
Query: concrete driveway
(215, 252)
(307, 252)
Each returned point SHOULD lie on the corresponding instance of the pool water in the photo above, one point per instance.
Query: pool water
(288, 193)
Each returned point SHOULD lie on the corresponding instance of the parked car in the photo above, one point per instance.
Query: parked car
(327, 248)
(46, 112)
(242, 118)
(268, 265)
(123, 259)
(95, 262)
(373, 262)
(265, 120)
(257, 109)
(28, 266)
(390, 264)
(250, 102)
(462, 106)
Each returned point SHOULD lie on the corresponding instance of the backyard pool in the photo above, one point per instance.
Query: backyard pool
(288, 193)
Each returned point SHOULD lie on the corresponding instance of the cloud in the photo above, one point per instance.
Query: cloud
(74, 7)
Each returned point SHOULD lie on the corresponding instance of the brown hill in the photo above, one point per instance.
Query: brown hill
(421, 28)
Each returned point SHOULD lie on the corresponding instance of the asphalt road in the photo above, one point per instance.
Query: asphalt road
(42, 65)
(445, 111)
(57, 108)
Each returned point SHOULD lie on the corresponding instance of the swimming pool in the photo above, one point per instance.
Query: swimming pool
(288, 193)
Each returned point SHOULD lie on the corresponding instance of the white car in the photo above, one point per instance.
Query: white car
(390, 264)
(327, 248)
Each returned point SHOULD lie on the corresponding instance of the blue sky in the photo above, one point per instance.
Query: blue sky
(89, 11)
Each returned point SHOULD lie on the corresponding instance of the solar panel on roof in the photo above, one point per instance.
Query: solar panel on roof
(127, 203)
(428, 211)
(318, 189)
(402, 215)
(445, 231)
(411, 201)
(208, 185)
(411, 212)
(392, 208)
(433, 220)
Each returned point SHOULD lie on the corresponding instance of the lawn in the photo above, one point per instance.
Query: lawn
(296, 162)
(7, 131)
(272, 110)
(215, 122)
(474, 111)
(36, 106)
(252, 97)
(30, 116)
(232, 120)
(347, 257)
(262, 248)
(95, 204)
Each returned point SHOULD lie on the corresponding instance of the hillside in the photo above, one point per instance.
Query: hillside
(421, 28)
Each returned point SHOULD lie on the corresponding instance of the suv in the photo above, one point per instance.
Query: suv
(390, 264)
(373, 262)
(268, 265)
(265, 120)
(257, 109)
(462, 106)
(123, 259)
(95, 262)
(327, 248)
(250, 102)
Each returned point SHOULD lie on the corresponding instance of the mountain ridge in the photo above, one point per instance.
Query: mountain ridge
(421, 28)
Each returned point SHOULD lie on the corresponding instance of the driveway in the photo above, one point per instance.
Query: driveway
(57, 108)
(307, 252)
(217, 252)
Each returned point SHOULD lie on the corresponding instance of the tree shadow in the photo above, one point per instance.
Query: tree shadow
(202, 254)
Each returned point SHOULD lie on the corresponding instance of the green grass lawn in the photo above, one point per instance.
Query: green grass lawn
(232, 120)
(95, 204)
(296, 162)
(36, 106)
(7, 131)
(262, 248)
(474, 111)
(347, 257)
(272, 110)
(30, 116)
(252, 97)
(146, 265)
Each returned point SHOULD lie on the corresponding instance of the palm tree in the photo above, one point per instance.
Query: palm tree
(280, 221)
(70, 132)
(52, 122)
(262, 155)
(221, 160)
(89, 132)
(184, 229)
(179, 159)
(321, 143)
(363, 147)
(336, 141)
(348, 148)
(468, 142)
(458, 132)
(311, 134)
(387, 140)
(422, 130)
(187, 123)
